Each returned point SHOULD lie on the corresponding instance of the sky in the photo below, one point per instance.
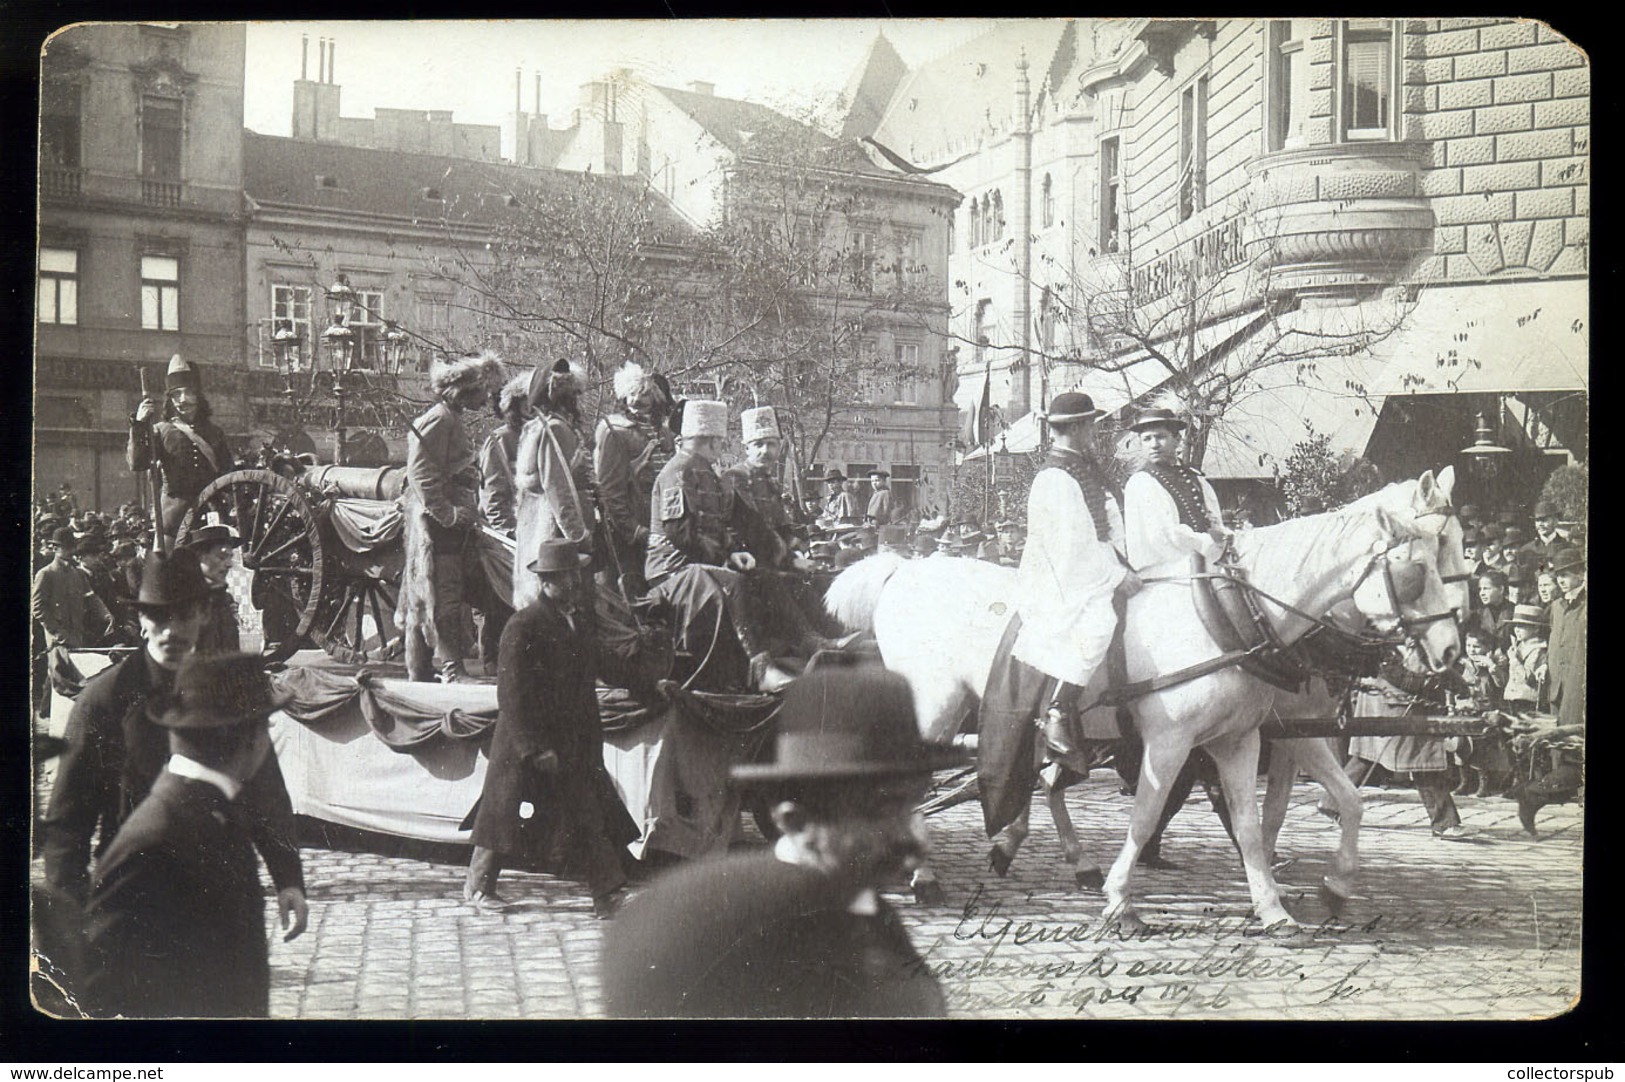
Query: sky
(468, 67)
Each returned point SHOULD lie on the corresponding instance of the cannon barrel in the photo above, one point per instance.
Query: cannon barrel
(358, 482)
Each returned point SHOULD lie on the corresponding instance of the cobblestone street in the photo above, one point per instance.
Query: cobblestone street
(1482, 929)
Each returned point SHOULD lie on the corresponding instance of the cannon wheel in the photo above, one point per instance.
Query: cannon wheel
(282, 547)
(357, 620)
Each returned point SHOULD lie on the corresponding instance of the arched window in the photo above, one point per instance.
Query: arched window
(998, 215)
(975, 224)
(1047, 203)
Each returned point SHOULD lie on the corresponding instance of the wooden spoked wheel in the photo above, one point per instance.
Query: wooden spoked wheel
(282, 548)
(357, 620)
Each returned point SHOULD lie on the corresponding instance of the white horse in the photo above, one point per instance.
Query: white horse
(938, 622)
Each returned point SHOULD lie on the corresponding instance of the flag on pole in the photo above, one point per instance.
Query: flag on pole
(981, 421)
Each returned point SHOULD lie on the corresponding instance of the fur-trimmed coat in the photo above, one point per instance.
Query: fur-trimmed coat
(551, 481)
(442, 486)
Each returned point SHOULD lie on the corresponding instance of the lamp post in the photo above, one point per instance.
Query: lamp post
(1484, 453)
(338, 339)
(285, 346)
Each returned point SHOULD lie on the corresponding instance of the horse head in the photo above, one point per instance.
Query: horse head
(1423, 508)
(1400, 589)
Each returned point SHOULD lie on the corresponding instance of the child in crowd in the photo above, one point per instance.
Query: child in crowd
(1484, 765)
(1526, 660)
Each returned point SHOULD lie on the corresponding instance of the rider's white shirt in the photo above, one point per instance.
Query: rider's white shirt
(1158, 543)
(1065, 582)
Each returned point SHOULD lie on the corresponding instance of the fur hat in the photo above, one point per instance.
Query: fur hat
(180, 374)
(761, 423)
(704, 417)
(545, 382)
(515, 390)
(629, 379)
(444, 375)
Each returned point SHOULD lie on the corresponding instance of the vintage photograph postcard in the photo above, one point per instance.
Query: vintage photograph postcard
(974, 519)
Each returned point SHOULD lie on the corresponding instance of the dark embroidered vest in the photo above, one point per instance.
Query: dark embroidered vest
(1083, 469)
(1185, 486)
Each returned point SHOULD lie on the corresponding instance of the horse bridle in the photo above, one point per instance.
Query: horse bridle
(1411, 625)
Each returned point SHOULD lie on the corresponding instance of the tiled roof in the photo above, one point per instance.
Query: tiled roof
(733, 122)
(283, 171)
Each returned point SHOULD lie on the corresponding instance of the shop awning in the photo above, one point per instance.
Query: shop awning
(1136, 373)
(1499, 337)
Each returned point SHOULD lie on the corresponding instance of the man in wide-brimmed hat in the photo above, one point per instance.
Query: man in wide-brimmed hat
(216, 545)
(840, 506)
(883, 507)
(1064, 619)
(801, 931)
(176, 920)
(1538, 549)
(114, 751)
(441, 505)
(548, 802)
(178, 438)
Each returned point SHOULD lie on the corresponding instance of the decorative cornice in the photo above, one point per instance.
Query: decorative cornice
(162, 75)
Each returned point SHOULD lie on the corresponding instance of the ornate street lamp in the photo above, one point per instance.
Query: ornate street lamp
(396, 342)
(338, 339)
(1485, 454)
(285, 346)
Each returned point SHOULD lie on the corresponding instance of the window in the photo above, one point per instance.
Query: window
(908, 373)
(290, 307)
(367, 320)
(980, 354)
(862, 259)
(1366, 89)
(160, 293)
(908, 254)
(1288, 83)
(59, 124)
(161, 138)
(951, 238)
(975, 224)
(1047, 203)
(1111, 184)
(998, 215)
(905, 480)
(58, 300)
(1193, 148)
(872, 380)
(1046, 323)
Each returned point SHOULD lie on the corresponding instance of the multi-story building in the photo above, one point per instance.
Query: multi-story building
(141, 237)
(887, 233)
(1378, 227)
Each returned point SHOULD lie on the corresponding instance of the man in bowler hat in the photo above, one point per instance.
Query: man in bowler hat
(176, 921)
(115, 752)
(801, 931)
(548, 802)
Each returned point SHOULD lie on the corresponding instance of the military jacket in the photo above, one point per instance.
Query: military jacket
(761, 488)
(186, 464)
(440, 467)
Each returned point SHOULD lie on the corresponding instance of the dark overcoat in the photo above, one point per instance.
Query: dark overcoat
(750, 936)
(1566, 659)
(176, 921)
(113, 754)
(182, 461)
(571, 822)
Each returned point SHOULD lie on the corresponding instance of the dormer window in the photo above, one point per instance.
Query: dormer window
(323, 180)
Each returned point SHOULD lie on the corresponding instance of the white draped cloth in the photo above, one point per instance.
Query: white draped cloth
(1158, 543)
(1066, 579)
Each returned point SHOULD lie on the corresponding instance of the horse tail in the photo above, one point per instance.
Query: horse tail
(855, 594)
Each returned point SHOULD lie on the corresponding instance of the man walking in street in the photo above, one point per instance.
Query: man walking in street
(1070, 570)
(64, 600)
(548, 801)
(114, 752)
(801, 931)
(176, 921)
(441, 511)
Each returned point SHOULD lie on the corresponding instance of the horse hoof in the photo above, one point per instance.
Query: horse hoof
(1334, 902)
(1127, 922)
(998, 861)
(1092, 880)
(1159, 862)
(930, 892)
(1289, 933)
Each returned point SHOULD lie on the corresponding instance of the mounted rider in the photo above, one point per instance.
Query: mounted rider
(1070, 570)
(703, 540)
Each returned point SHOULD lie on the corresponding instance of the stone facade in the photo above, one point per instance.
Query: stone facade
(141, 238)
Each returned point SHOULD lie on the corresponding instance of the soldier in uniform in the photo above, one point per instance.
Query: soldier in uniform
(553, 476)
(703, 540)
(442, 510)
(1065, 617)
(754, 481)
(628, 452)
(497, 455)
(187, 447)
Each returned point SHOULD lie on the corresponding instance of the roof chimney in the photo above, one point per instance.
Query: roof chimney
(698, 86)
(332, 55)
(321, 60)
(538, 92)
(304, 57)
